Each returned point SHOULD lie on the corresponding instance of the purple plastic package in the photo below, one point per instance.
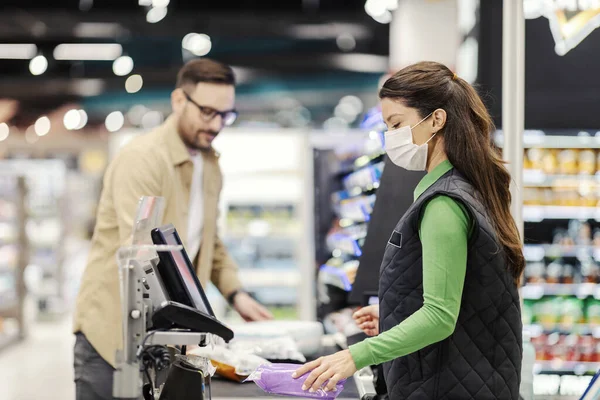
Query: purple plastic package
(277, 379)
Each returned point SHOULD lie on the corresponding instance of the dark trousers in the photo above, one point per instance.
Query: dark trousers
(93, 375)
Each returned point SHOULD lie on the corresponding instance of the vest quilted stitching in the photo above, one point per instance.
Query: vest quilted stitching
(482, 359)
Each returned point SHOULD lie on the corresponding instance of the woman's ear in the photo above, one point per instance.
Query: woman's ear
(439, 119)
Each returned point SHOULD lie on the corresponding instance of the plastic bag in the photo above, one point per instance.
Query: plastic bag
(272, 349)
(229, 364)
(277, 379)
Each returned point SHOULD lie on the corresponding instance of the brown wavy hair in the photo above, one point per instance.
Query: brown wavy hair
(427, 86)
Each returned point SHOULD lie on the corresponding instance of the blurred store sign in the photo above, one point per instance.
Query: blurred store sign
(571, 21)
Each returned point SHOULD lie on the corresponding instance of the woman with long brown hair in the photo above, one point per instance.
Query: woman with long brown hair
(448, 323)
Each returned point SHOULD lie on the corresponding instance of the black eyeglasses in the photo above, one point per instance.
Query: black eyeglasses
(208, 113)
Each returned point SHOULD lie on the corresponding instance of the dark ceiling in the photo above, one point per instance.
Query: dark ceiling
(288, 45)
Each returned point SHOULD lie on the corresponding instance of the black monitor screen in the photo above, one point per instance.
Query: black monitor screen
(177, 272)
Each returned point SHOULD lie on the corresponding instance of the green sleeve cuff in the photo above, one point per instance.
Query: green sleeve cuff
(361, 354)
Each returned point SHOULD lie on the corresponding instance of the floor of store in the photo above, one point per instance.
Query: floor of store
(41, 366)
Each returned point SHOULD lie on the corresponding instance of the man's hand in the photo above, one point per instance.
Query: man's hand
(367, 319)
(249, 308)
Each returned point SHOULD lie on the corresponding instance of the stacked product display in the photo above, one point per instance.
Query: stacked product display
(356, 174)
(561, 307)
(13, 258)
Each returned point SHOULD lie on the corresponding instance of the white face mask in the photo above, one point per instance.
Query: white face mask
(403, 152)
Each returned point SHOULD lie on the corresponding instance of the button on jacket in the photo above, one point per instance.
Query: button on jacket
(153, 164)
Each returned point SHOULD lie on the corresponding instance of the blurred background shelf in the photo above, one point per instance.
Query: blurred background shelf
(581, 290)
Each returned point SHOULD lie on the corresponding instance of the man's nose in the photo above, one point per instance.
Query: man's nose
(216, 124)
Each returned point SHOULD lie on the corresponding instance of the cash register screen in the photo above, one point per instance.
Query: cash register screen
(177, 272)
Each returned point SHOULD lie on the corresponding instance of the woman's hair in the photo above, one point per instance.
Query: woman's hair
(427, 86)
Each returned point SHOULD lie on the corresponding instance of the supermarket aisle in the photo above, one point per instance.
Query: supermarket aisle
(40, 368)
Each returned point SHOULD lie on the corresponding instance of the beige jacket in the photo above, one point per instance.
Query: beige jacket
(154, 164)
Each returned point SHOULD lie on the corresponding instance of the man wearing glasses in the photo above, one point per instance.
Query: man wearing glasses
(175, 161)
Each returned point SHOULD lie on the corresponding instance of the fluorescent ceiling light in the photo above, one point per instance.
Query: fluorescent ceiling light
(88, 51)
(156, 14)
(328, 31)
(17, 51)
(97, 30)
(361, 62)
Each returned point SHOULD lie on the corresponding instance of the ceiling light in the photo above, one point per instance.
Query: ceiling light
(95, 30)
(30, 136)
(147, 3)
(114, 121)
(4, 131)
(156, 14)
(123, 66)
(38, 65)
(354, 104)
(136, 113)
(361, 62)
(197, 43)
(134, 84)
(83, 119)
(346, 42)
(17, 51)
(88, 51)
(385, 18)
(42, 126)
(152, 119)
(376, 7)
(72, 119)
(160, 3)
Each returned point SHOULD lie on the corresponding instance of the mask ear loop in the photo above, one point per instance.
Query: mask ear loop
(417, 124)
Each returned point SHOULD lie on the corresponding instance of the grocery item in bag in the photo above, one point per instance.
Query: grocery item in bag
(277, 379)
(229, 364)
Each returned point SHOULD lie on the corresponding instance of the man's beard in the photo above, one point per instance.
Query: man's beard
(192, 140)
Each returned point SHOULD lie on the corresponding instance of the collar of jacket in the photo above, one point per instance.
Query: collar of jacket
(177, 149)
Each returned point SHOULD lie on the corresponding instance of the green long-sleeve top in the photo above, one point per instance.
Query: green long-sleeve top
(444, 232)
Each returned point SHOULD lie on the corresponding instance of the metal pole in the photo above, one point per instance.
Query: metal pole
(513, 100)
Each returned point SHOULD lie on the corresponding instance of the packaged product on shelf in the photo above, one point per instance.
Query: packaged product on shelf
(567, 162)
(593, 312)
(571, 348)
(554, 272)
(547, 311)
(571, 312)
(527, 315)
(534, 273)
(587, 349)
(587, 162)
(550, 161)
(534, 159)
(539, 343)
(568, 274)
(589, 271)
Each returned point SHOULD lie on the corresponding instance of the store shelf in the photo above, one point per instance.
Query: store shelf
(540, 213)
(533, 138)
(576, 367)
(582, 290)
(582, 329)
(539, 179)
(537, 252)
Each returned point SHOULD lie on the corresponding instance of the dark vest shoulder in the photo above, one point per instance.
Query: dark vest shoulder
(482, 358)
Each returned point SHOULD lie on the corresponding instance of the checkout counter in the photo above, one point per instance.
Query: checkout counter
(164, 304)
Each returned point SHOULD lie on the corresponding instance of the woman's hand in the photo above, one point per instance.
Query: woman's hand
(332, 368)
(367, 319)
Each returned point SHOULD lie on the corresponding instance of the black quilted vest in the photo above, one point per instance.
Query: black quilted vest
(482, 359)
